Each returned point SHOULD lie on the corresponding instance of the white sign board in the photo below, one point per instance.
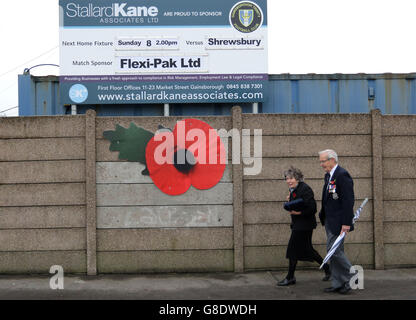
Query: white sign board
(162, 51)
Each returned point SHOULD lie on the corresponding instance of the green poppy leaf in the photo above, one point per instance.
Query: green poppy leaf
(130, 143)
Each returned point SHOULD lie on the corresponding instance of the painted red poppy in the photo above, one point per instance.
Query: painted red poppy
(192, 154)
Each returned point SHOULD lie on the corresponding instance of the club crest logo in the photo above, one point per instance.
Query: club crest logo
(246, 17)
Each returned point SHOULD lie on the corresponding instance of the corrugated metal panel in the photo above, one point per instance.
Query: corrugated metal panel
(287, 93)
(205, 109)
(39, 96)
(122, 110)
(341, 93)
(158, 109)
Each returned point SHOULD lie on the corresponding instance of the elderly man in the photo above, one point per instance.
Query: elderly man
(336, 215)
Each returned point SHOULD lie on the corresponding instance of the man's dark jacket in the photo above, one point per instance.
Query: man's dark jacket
(306, 220)
(337, 212)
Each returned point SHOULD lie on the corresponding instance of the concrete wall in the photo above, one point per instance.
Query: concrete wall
(66, 199)
(42, 194)
(296, 140)
(141, 229)
(399, 182)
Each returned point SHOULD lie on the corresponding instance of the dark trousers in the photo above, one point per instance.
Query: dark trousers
(339, 263)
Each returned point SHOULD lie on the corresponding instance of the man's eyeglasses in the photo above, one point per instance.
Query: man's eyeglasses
(323, 161)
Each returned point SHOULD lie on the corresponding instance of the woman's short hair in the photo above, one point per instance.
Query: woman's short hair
(293, 172)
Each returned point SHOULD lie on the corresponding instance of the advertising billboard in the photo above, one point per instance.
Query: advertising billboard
(161, 51)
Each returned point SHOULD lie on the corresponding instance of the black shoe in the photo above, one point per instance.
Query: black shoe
(332, 289)
(327, 277)
(327, 272)
(345, 289)
(286, 282)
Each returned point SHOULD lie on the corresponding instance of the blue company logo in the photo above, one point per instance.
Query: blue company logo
(78, 93)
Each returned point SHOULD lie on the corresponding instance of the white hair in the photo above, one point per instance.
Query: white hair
(331, 154)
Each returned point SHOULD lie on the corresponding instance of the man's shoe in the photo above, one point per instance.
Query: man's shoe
(286, 282)
(345, 289)
(327, 272)
(332, 289)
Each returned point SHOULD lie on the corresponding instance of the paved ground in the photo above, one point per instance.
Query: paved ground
(388, 284)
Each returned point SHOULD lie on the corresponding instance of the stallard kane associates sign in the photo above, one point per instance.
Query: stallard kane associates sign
(115, 10)
(162, 52)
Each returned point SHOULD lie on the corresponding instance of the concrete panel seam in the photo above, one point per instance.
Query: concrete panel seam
(91, 191)
(377, 153)
(238, 196)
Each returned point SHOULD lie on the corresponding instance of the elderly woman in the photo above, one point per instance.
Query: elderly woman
(303, 223)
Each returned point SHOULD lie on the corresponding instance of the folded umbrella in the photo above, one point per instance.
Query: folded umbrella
(338, 240)
(358, 212)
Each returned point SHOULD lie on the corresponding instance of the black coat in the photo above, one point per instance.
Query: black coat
(306, 220)
(339, 210)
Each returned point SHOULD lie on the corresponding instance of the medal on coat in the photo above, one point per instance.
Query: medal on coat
(332, 188)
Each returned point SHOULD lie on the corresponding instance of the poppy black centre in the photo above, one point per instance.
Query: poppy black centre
(183, 160)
